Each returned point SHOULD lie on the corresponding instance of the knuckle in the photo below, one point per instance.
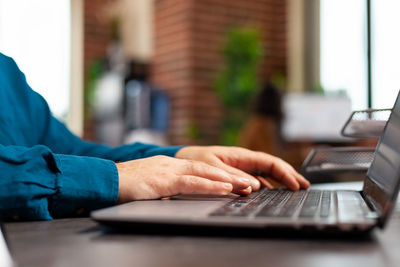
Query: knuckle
(243, 150)
(259, 154)
(187, 182)
(198, 166)
(161, 157)
(189, 185)
(163, 161)
(189, 165)
(203, 166)
(210, 158)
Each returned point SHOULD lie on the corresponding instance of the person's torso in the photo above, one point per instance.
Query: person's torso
(20, 120)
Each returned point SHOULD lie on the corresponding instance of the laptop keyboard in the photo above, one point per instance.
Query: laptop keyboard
(278, 203)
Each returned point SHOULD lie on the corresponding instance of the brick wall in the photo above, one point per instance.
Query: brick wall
(189, 35)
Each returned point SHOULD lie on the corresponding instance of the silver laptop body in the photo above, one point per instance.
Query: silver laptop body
(342, 210)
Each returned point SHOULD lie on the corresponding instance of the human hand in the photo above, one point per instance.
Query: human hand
(256, 166)
(162, 176)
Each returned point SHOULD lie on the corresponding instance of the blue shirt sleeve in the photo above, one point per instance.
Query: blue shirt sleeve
(45, 170)
(62, 141)
(37, 184)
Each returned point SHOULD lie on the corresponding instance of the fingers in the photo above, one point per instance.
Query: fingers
(189, 184)
(270, 166)
(304, 183)
(246, 191)
(231, 164)
(207, 171)
(255, 183)
(284, 173)
(265, 183)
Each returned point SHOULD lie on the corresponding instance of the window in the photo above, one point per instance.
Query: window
(37, 35)
(343, 50)
(385, 52)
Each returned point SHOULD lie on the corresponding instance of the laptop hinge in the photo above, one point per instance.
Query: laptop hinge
(369, 203)
(374, 213)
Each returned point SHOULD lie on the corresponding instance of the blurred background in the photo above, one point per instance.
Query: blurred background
(280, 76)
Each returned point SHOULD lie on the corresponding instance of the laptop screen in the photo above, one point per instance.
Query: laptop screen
(382, 183)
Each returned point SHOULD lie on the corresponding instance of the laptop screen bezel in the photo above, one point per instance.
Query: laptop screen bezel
(375, 195)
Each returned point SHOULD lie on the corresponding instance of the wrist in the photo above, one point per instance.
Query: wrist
(186, 152)
(121, 183)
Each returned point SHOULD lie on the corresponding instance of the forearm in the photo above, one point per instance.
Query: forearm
(62, 141)
(127, 152)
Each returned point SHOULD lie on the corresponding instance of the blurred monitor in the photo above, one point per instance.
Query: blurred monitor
(314, 117)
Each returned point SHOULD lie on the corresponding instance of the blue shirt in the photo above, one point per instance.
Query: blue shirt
(45, 170)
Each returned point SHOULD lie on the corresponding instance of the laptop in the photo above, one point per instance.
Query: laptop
(343, 210)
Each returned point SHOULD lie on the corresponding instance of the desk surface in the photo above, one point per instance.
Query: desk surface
(82, 242)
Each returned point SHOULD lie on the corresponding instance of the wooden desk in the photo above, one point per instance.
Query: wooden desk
(82, 242)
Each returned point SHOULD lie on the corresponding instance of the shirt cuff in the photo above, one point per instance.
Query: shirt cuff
(83, 184)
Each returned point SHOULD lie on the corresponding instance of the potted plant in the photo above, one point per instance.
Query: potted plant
(238, 81)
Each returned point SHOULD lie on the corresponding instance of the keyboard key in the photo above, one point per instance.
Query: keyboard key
(233, 207)
(310, 206)
(255, 205)
(277, 203)
(350, 206)
(325, 204)
(292, 204)
(274, 204)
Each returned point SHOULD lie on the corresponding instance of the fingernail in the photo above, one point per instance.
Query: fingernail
(255, 184)
(227, 186)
